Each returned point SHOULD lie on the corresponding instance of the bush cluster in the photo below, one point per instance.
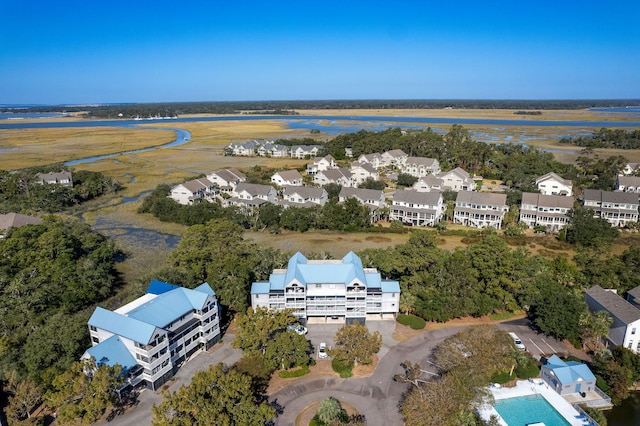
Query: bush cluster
(416, 323)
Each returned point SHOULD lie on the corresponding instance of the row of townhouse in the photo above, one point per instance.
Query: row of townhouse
(454, 180)
(340, 291)
(153, 335)
(392, 158)
(352, 177)
(266, 148)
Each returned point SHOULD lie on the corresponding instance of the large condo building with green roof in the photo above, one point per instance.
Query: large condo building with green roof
(329, 291)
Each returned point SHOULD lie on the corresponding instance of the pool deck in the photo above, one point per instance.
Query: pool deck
(533, 387)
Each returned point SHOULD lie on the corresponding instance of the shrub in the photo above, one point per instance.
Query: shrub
(344, 370)
(416, 323)
(502, 377)
(298, 372)
(527, 371)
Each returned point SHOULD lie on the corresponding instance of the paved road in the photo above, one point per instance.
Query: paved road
(377, 396)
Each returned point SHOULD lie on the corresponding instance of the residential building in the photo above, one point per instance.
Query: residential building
(374, 160)
(630, 168)
(303, 196)
(625, 329)
(457, 180)
(372, 198)
(16, 220)
(305, 151)
(245, 149)
(628, 184)
(550, 211)
(287, 177)
(251, 195)
(336, 291)
(227, 179)
(63, 178)
(552, 184)
(619, 208)
(633, 296)
(480, 209)
(339, 176)
(273, 150)
(348, 152)
(421, 166)
(394, 158)
(417, 208)
(360, 172)
(321, 164)
(153, 335)
(193, 191)
(567, 377)
(428, 183)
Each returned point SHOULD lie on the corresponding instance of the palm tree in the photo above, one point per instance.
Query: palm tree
(328, 410)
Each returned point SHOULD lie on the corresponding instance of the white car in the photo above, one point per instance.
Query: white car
(297, 328)
(517, 341)
(322, 351)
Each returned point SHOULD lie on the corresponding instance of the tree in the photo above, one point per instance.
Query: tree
(354, 344)
(405, 180)
(220, 395)
(85, 391)
(24, 397)
(328, 410)
(596, 326)
(257, 327)
(371, 183)
(288, 349)
(590, 231)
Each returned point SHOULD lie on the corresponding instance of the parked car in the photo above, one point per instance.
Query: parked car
(297, 328)
(517, 341)
(322, 351)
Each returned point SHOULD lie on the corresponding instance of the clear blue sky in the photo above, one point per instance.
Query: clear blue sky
(69, 52)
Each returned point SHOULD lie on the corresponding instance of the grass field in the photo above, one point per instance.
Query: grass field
(144, 171)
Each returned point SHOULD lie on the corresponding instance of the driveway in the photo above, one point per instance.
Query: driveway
(537, 344)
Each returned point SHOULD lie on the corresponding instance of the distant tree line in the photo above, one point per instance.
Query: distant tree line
(171, 109)
(20, 193)
(273, 112)
(607, 138)
(528, 113)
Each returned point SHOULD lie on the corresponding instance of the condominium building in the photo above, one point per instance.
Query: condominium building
(151, 336)
(550, 211)
(480, 209)
(619, 208)
(328, 291)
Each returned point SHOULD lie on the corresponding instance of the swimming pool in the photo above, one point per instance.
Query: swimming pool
(524, 410)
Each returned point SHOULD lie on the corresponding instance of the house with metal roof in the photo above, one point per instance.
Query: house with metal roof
(417, 208)
(550, 211)
(625, 329)
(151, 336)
(338, 291)
(567, 377)
(480, 209)
(619, 208)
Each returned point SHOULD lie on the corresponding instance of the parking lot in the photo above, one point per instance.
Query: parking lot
(326, 333)
(537, 344)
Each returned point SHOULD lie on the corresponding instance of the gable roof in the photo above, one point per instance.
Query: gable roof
(131, 328)
(397, 153)
(610, 196)
(629, 180)
(16, 220)
(570, 371)
(196, 185)
(421, 161)
(547, 200)
(614, 304)
(254, 188)
(363, 194)
(554, 176)
(461, 173)
(488, 198)
(289, 175)
(304, 191)
(408, 196)
(366, 166)
(335, 174)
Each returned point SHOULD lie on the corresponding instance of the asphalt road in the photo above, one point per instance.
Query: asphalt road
(376, 396)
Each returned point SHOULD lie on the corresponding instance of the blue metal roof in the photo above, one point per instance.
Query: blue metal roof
(128, 327)
(111, 352)
(390, 286)
(277, 281)
(569, 372)
(205, 288)
(159, 287)
(260, 288)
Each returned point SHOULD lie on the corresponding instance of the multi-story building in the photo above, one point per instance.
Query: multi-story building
(287, 177)
(619, 208)
(625, 329)
(151, 336)
(552, 184)
(628, 184)
(550, 211)
(63, 178)
(227, 179)
(417, 208)
(480, 209)
(420, 166)
(341, 176)
(193, 191)
(328, 291)
(372, 198)
(457, 180)
(303, 196)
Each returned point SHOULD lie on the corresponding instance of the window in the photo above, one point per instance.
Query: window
(633, 330)
(93, 328)
(95, 340)
(630, 344)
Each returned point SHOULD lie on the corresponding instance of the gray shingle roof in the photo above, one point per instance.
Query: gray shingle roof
(487, 198)
(615, 304)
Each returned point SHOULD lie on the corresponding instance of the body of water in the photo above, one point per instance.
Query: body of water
(626, 414)
(22, 116)
(380, 120)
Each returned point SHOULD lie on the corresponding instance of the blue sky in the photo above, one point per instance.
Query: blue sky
(70, 52)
